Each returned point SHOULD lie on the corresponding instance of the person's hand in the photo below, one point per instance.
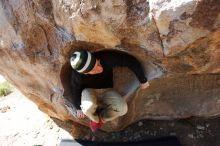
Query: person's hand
(144, 85)
(80, 114)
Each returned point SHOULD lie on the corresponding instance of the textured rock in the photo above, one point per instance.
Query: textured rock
(178, 43)
(182, 22)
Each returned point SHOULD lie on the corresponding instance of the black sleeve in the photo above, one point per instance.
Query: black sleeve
(126, 60)
(76, 91)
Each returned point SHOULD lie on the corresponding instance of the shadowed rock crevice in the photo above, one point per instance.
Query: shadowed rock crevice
(65, 77)
(158, 35)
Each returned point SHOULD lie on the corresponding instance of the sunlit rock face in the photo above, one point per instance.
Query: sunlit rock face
(178, 43)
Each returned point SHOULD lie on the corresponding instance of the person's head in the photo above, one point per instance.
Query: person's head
(85, 62)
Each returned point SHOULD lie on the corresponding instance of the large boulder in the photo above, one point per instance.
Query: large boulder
(178, 43)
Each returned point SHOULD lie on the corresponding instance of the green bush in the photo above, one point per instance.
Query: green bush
(5, 89)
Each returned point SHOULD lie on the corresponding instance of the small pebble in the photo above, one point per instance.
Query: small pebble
(140, 124)
(173, 134)
(190, 136)
(200, 127)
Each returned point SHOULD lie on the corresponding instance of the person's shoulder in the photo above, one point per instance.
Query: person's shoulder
(73, 71)
(75, 74)
(76, 78)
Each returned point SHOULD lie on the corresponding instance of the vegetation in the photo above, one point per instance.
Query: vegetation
(5, 89)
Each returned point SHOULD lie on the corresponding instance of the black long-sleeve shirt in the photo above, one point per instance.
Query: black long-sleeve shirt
(108, 59)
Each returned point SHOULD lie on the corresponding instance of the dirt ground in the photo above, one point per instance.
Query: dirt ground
(190, 132)
(22, 124)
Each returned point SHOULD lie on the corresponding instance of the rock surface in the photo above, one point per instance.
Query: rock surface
(178, 43)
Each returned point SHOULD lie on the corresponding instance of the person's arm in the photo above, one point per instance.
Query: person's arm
(76, 91)
(126, 60)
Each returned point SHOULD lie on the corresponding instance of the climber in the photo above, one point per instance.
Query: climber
(95, 71)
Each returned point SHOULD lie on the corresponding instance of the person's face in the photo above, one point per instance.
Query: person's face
(97, 68)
